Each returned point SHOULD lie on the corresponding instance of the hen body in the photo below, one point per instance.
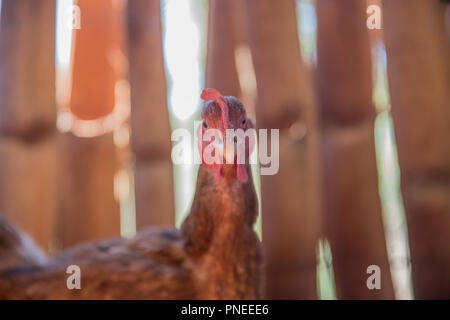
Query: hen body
(147, 266)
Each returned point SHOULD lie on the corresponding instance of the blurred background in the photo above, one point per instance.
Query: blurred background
(91, 90)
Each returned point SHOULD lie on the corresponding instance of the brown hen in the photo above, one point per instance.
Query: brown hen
(215, 255)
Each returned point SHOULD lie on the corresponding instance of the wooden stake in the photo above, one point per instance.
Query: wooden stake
(149, 116)
(352, 205)
(418, 52)
(290, 199)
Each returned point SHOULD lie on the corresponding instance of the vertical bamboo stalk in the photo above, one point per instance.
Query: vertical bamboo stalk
(90, 211)
(290, 199)
(93, 75)
(28, 147)
(418, 50)
(29, 186)
(27, 61)
(223, 39)
(352, 210)
(149, 116)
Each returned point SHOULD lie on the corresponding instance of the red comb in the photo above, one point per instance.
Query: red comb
(213, 94)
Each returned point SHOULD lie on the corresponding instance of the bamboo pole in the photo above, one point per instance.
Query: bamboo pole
(27, 60)
(418, 51)
(89, 210)
(28, 146)
(223, 39)
(289, 199)
(149, 116)
(352, 205)
(95, 45)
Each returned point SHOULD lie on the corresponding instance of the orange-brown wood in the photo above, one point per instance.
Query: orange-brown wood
(418, 52)
(289, 199)
(96, 49)
(352, 205)
(29, 192)
(224, 36)
(28, 145)
(150, 127)
(27, 67)
(89, 210)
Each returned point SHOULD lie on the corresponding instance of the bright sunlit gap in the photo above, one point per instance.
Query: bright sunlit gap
(182, 52)
(396, 231)
(393, 210)
(63, 50)
(307, 28)
(63, 34)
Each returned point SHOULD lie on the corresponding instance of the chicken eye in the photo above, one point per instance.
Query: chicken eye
(244, 120)
(204, 124)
